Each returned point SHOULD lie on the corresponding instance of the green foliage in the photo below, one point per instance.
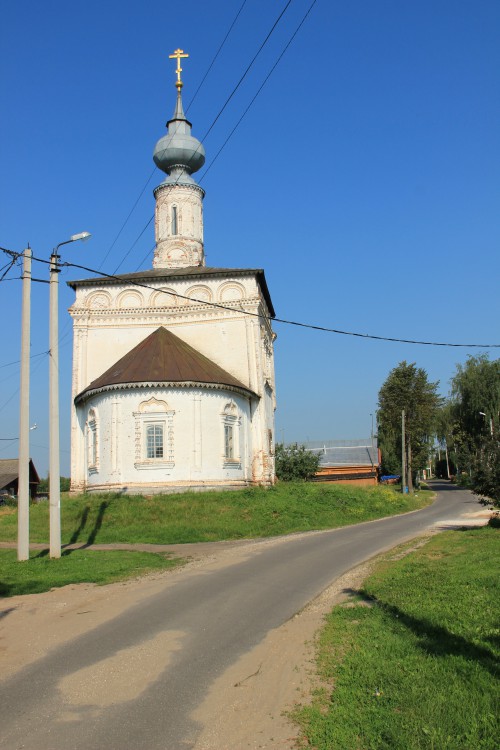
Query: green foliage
(475, 388)
(9, 501)
(40, 573)
(486, 471)
(64, 484)
(407, 663)
(475, 407)
(407, 387)
(212, 516)
(441, 468)
(294, 462)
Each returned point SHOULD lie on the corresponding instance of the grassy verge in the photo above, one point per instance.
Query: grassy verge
(411, 663)
(213, 516)
(40, 573)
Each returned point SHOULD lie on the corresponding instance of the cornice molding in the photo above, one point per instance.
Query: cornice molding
(178, 187)
(86, 395)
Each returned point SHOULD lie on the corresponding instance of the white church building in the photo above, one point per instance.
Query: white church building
(173, 371)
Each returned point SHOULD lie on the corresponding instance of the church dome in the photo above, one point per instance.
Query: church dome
(178, 153)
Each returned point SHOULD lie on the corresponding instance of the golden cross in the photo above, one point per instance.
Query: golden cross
(178, 54)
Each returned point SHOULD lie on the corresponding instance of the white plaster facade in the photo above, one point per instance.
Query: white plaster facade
(195, 453)
(178, 226)
(149, 436)
(111, 317)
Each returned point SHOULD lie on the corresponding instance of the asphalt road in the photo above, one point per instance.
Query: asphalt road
(216, 617)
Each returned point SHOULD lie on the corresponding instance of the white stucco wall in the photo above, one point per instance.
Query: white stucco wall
(110, 319)
(194, 444)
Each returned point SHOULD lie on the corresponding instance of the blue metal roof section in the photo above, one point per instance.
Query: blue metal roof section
(178, 153)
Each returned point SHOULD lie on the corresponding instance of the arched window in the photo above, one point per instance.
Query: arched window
(174, 220)
(231, 422)
(228, 442)
(92, 442)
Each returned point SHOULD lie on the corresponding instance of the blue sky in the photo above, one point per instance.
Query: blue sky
(364, 179)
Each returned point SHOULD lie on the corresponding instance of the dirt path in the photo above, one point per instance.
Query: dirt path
(246, 704)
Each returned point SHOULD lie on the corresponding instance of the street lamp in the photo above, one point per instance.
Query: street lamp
(491, 421)
(54, 484)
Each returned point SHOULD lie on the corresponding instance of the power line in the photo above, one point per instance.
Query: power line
(145, 257)
(134, 244)
(235, 89)
(5, 447)
(242, 78)
(18, 361)
(284, 321)
(126, 221)
(216, 55)
(154, 170)
(7, 268)
(258, 91)
(33, 370)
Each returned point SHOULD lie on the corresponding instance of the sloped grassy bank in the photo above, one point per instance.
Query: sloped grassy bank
(213, 516)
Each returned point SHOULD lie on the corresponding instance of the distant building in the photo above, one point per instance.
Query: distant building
(173, 367)
(9, 477)
(347, 461)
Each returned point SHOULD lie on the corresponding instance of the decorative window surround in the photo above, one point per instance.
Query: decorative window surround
(92, 443)
(154, 414)
(231, 422)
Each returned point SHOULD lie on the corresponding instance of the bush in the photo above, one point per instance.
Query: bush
(486, 473)
(8, 500)
(294, 462)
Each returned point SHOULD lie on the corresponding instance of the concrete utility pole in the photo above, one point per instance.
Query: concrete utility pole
(403, 453)
(23, 500)
(54, 468)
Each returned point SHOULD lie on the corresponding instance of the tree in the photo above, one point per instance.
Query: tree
(475, 405)
(486, 472)
(446, 432)
(407, 388)
(475, 397)
(295, 462)
(65, 484)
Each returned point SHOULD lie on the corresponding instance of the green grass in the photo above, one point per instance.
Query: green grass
(212, 516)
(412, 661)
(40, 573)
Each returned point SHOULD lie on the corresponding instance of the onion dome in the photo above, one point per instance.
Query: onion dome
(178, 153)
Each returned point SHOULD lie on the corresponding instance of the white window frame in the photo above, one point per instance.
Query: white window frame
(92, 442)
(231, 423)
(154, 434)
(228, 442)
(154, 413)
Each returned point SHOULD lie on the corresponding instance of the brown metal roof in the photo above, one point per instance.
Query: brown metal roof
(161, 274)
(163, 358)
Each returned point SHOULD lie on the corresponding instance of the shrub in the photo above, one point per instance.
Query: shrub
(294, 462)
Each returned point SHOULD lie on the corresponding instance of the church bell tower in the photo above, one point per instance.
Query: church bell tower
(179, 199)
